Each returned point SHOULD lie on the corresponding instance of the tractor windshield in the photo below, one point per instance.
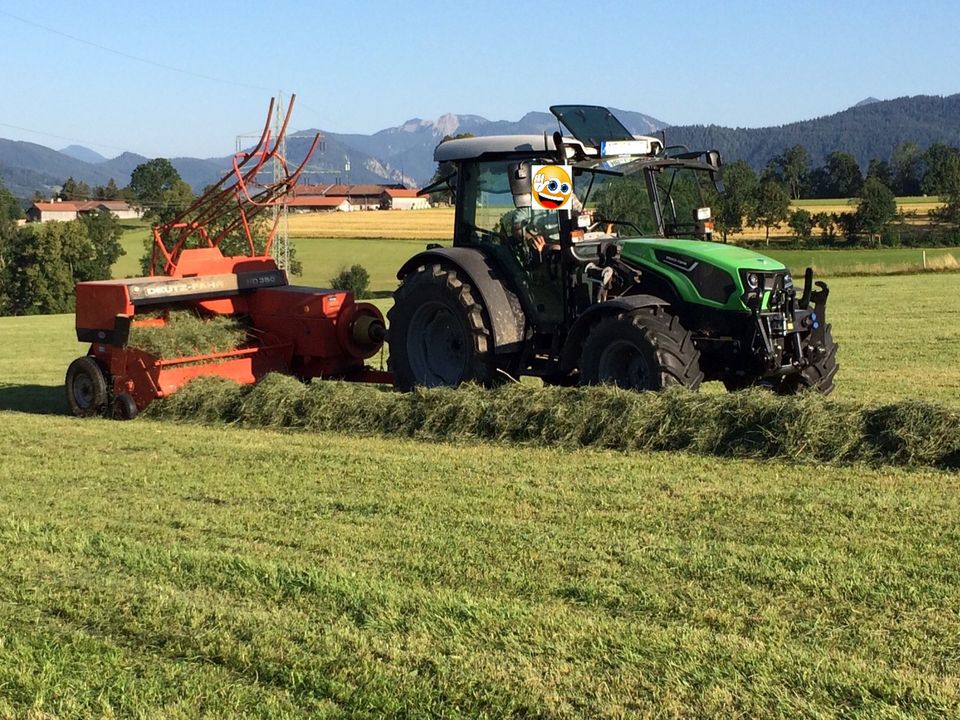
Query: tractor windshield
(649, 199)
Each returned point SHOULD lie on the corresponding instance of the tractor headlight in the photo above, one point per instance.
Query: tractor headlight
(753, 280)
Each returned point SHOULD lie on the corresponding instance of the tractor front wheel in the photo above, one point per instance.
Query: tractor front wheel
(438, 332)
(86, 387)
(646, 349)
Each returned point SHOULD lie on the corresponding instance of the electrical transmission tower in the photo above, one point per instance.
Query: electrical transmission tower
(281, 241)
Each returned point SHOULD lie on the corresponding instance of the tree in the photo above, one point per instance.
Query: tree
(844, 179)
(772, 206)
(881, 170)
(104, 233)
(9, 206)
(907, 164)
(878, 206)
(74, 190)
(792, 168)
(825, 222)
(737, 198)
(108, 192)
(38, 267)
(936, 162)
(949, 192)
(41, 262)
(158, 189)
(355, 280)
(801, 222)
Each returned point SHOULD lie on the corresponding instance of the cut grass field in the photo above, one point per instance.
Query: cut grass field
(161, 572)
(152, 569)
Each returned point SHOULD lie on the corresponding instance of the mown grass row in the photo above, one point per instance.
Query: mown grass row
(752, 424)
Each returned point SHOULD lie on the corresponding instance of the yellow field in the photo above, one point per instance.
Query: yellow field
(432, 224)
(916, 209)
(437, 223)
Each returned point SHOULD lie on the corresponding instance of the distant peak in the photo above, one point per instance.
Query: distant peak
(867, 101)
(414, 124)
(447, 124)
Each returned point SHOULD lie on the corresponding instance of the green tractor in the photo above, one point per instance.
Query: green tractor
(624, 286)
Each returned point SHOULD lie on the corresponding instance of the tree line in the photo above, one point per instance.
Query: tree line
(763, 199)
(41, 262)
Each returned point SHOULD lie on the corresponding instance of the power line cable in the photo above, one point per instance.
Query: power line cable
(62, 137)
(137, 58)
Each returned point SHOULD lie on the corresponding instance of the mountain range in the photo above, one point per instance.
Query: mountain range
(869, 129)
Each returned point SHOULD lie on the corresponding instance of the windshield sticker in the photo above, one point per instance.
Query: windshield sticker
(552, 186)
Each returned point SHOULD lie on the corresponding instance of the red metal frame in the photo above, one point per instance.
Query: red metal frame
(169, 239)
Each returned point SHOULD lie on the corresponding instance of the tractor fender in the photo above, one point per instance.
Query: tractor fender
(570, 356)
(507, 320)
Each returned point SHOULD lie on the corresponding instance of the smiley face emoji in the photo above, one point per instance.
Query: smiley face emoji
(552, 187)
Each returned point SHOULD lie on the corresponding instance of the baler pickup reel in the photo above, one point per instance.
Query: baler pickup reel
(307, 332)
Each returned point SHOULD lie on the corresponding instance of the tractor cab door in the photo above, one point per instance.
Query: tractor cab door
(488, 219)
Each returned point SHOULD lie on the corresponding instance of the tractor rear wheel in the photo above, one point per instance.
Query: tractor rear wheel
(438, 333)
(645, 349)
(86, 387)
(817, 376)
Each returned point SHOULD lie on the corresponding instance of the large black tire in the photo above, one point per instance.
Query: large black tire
(645, 349)
(86, 387)
(818, 376)
(438, 332)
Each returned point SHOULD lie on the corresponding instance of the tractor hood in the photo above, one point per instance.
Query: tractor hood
(727, 257)
(705, 273)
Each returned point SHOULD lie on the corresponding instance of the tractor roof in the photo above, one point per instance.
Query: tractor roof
(470, 148)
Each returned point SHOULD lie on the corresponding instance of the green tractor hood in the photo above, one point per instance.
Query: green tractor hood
(706, 273)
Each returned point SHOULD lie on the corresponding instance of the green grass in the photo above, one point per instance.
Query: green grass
(151, 569)
(324, 258)
(879, 261)
(156, 571)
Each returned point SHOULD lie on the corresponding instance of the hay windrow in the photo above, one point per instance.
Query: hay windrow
(748, 424)
(187, 334)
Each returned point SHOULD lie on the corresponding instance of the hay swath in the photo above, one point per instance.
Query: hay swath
(302, 331)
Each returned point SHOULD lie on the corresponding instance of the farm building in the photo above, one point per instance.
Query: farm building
(318, 203)
(361, 197)
(57, 210)
(66, 210)
(402, 199)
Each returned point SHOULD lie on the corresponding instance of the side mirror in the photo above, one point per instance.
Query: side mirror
(520, 184)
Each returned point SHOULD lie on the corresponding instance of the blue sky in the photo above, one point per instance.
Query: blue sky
(363, 66)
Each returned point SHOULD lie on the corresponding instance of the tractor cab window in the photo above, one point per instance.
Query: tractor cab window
(489, 215)
(619, 205)
(681, 191)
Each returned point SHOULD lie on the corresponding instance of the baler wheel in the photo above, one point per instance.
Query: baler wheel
(124, 407)
(86, 387)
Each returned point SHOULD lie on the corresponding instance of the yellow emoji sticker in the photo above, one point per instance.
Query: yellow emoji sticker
(552, 186)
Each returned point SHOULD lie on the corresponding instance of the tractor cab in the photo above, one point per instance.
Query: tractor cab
(619, 186)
